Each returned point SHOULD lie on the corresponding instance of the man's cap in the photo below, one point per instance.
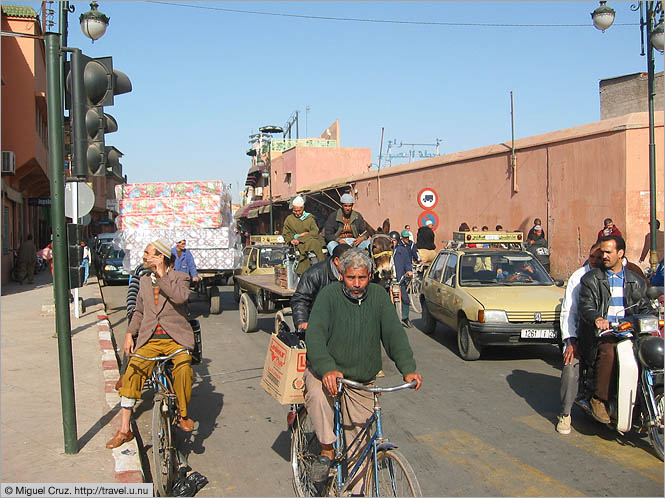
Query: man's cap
(298, 201)
(180, 237)
(162, 247)
(537, 227)
(428, 223)
(346, 199)
(405, 233)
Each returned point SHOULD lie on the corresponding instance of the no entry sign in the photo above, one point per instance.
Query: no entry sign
(428, 215)
(427, 198)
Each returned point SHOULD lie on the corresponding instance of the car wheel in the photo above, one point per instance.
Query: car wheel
(428, 321)
(467, 348)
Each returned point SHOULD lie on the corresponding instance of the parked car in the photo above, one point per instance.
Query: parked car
(259, 259)
(491, 295)
(111, 268)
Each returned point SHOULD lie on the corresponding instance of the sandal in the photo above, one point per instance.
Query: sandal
(119, 439)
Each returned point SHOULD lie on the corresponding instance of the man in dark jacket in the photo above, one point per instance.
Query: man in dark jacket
(425, 242)
(345, 225)
(607, 294)
(538, 247)
(311, 282)
(402, 265)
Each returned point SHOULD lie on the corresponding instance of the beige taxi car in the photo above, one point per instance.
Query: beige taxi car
(491, 291)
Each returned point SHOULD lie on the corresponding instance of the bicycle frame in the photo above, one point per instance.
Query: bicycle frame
(342, 450)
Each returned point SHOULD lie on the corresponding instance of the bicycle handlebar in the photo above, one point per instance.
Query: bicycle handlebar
(160, 358)
(363, 387)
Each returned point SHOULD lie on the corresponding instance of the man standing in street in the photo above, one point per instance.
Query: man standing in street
(184, 261)
(425, 242)
(609, 228)
(301, 231)
(647, 243)
(349, 322)
(346, 225)
(402, 265)
(570, 373)
(607, 295)
(537, 245)
(411, 246)
(27, 257)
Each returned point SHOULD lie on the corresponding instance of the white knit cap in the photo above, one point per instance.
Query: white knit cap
(346, 199)
(428, 223)
(162, 247)
(298, 201)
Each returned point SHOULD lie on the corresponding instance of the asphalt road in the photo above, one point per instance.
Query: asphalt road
(483, 428)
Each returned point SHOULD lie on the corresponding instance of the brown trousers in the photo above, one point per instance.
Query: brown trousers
(605, 366)
(138, 370)
(357, 406)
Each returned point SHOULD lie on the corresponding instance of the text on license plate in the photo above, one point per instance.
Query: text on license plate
(538, 334)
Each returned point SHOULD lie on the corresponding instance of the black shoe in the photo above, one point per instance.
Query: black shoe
(319, 470)
(407, 323)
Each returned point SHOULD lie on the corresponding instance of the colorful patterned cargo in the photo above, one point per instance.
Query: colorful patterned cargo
(199, 212)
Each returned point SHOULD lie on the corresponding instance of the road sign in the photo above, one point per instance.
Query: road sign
(86, 199)
(428, 215)
(427, 198)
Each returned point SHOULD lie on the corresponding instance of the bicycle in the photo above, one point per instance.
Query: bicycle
(388, 473)
(415, 286)
(164, 421)
(413, 289)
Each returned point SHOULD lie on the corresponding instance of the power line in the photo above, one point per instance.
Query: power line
(384, 21)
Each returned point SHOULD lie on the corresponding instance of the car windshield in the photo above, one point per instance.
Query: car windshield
(115, 253)
(271, 256)
(502, 269)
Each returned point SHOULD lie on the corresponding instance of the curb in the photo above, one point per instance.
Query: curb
(126, 457)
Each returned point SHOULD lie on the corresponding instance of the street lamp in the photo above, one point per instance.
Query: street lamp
(270, 129)
(603, 17)
(93, 22)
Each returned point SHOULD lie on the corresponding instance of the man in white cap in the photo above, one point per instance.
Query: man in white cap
(183, 259)
(425, 243)
(301, 231)
(346, 226)
(159, 327)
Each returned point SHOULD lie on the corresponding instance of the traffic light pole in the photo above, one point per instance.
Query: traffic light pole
(60, 266)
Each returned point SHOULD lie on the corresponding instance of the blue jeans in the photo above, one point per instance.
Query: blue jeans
(86, 269)
(333, 243)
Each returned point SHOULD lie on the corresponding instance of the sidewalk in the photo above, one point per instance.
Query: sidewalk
(32, 441)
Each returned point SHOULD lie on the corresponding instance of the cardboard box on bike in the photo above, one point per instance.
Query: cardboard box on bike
(283, 372)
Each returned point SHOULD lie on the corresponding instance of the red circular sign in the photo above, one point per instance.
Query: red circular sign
(428, 215)
(428, 198)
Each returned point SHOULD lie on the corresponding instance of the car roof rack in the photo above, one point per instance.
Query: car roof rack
(463, 239)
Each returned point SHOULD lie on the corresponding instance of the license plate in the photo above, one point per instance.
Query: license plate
(538, 334)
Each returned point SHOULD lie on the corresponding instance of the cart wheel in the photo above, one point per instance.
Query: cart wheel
(249, 317)
(215, 301)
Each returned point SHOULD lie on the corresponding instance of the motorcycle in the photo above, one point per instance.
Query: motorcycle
(638, 401)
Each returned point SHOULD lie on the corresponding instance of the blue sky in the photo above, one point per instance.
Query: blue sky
(204, 79)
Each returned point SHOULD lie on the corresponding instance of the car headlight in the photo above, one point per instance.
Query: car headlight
(494, 316)
(110, 268)
(648, 324)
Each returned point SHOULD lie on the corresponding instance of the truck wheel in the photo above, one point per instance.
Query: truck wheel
(249, 317)
(230, 280)
(215, 301)
(236, 291)
(467, 349)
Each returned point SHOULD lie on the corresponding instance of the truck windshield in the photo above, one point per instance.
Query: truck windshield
(271, 256)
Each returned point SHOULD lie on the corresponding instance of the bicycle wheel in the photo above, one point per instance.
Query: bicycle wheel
(414, 289)
(162, 448)
(304, 450)
(395, 476)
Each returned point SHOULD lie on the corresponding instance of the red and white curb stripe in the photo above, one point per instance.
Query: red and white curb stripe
(127, 459)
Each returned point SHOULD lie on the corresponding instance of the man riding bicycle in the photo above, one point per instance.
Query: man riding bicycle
(159, 326)
(349, 322)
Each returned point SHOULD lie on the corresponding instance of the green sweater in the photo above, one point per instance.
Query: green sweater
(346, 336)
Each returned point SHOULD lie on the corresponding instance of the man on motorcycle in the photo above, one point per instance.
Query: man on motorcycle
(569, 321)
(607, 294)
(310, 284)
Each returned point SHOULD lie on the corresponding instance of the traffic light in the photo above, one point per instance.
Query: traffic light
(113, 166)
(75, 255)
(92, 83)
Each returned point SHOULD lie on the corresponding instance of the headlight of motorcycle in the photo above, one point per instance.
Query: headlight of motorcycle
(110, 268)
(648, 324)
(492, 316)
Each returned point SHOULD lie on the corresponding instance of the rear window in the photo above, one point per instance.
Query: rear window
(502, 269)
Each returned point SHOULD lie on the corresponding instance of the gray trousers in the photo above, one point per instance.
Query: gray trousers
(570, 375)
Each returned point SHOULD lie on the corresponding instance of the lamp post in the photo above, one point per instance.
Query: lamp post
(603, 17)
(270, 129)
(55, 45)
